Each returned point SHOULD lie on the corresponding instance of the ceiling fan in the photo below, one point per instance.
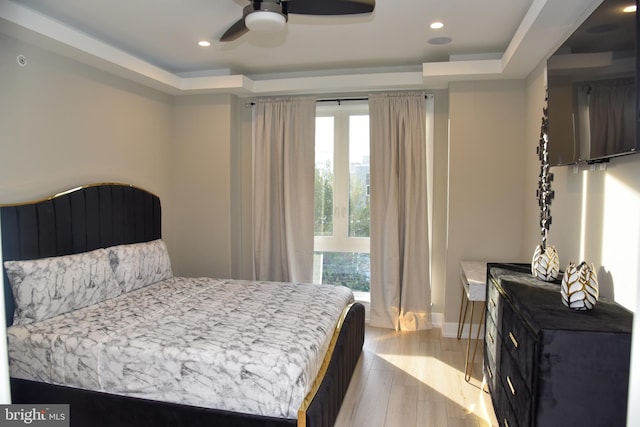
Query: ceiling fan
(272, 15)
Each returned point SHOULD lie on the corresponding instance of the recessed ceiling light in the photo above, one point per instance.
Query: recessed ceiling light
(629, 9)
(204, 43)
(436, 25)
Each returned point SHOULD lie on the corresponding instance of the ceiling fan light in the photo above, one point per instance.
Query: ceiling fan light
(264, 21)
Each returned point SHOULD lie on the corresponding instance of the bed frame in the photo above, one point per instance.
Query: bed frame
(103, 215)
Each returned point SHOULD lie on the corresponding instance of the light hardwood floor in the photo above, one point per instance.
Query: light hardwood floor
(406, 379)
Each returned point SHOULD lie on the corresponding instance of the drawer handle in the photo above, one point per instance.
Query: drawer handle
(493, 341)
(513, 390)
(513, 340)
(490, 371)
(493, 303)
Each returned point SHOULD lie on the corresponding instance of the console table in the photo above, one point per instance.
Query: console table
(547, 365)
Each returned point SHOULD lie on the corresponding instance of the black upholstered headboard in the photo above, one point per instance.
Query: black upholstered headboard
(78, 220)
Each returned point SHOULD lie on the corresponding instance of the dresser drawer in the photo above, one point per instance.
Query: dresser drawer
(504, 412)
(516, 389)
(490, 369)
(494, 302)
(492, 339)
(520, 343)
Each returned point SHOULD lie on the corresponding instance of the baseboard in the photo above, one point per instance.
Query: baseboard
(450, 330)
(437, 319)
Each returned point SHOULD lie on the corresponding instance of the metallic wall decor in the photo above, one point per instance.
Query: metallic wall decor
(545, 263)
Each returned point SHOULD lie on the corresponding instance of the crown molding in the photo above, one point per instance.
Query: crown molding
(545, 26)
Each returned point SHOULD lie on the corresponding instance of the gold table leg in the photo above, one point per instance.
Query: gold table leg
(468, 367)
(462, 318)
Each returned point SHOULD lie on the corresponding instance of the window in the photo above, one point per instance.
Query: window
(341, 243)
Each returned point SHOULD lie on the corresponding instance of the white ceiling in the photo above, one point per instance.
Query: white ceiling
(155, 42)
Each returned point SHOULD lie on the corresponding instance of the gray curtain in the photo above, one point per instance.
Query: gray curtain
(284, 153)
(400, 276)
(612, 116)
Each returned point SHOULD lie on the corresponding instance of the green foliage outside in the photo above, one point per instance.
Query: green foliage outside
(323, 223)
(341, 268)
(347, 269)
(359, 217)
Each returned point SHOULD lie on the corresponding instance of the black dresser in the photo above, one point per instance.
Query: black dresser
(547, 365)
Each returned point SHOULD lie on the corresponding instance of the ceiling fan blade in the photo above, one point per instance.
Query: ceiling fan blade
(235, 31)
(329, 7)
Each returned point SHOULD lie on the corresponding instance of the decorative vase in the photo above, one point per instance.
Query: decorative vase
(545, 264)
(580, 286)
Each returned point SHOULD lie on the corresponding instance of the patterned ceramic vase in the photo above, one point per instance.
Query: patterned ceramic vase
(545, 264)
(580, 286)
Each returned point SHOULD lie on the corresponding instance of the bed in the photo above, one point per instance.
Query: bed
(120, 350)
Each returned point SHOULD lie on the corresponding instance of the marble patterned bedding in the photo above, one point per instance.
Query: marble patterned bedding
(249, 347)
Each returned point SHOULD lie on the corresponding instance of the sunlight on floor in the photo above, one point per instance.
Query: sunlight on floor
(415, 379)
(436, 375)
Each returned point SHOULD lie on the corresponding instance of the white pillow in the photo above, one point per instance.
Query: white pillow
(140, 264)
(48, 287)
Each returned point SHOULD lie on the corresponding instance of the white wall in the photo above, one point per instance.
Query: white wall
(199, 223)
(440, 194)
(486, 179)
(243, 191)
(63, 124)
